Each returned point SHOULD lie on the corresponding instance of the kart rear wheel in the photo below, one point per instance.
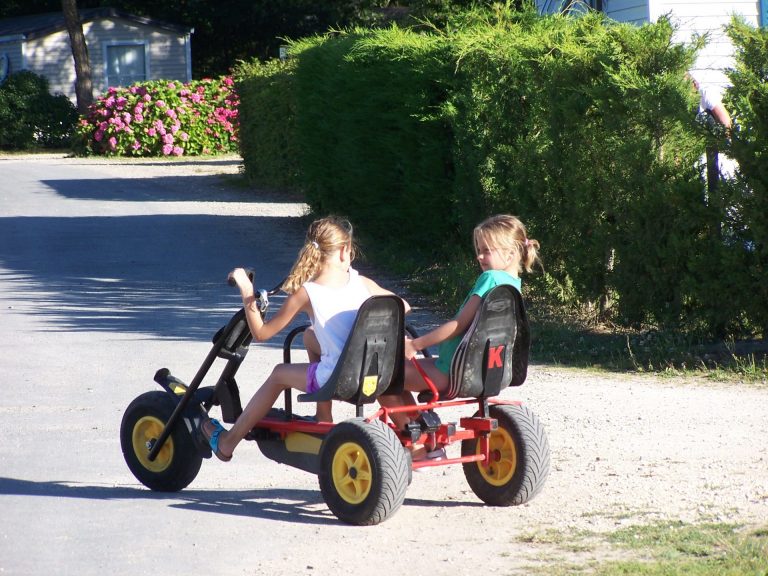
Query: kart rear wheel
(177, 463)
(363, 471)
(519, 454)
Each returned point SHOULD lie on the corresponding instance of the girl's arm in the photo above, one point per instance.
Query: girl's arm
(377, 290)
(446, 331)
(261, 331)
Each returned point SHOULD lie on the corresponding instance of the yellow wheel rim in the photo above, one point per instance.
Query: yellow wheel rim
(145, 432)
(352, 474)
(503, 458)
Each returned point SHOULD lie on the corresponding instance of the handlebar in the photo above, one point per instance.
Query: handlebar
(262, 295)
(249, 271)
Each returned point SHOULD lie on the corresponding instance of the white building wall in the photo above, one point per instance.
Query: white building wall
(51, 55)
(710, 17)
(11, 47)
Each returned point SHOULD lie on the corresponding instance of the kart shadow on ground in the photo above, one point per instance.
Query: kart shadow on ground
(281, 504)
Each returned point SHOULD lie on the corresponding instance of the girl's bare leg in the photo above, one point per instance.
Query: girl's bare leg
(283, 376)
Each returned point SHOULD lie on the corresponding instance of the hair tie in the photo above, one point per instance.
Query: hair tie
(526, 243)
(316, 245)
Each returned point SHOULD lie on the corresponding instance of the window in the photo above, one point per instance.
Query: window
(125, 63)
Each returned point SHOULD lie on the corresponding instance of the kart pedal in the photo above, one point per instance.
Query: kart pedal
(413, 431)
(428, 421)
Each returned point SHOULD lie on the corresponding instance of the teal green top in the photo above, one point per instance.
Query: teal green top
(485, 282)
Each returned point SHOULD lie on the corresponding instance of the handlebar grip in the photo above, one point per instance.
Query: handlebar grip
(249, 271)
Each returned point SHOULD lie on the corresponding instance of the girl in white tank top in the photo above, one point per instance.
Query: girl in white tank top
(323, 285)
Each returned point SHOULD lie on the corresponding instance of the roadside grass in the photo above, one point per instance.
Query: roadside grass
(563, 335)
(659, 549)
(571, 342)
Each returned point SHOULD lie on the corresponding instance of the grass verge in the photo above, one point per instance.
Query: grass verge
(661, 549)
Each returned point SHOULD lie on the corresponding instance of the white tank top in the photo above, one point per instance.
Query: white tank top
(333, 314)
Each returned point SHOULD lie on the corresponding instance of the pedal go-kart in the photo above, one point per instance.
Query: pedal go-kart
(364, 463)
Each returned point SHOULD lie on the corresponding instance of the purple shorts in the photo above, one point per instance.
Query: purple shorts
(312, 385)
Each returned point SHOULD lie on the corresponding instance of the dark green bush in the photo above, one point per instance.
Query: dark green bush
(580, 126)
(31, 117)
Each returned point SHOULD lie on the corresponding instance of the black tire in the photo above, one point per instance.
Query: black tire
(520, 458)
(364, 471)
(177, 463)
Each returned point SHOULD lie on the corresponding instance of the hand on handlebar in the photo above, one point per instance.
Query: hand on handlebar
(410, 349)
(240, 277)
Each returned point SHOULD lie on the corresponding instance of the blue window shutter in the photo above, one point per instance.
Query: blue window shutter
(764, 13)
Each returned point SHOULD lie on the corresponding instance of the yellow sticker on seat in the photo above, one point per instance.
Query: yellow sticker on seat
(369, 385)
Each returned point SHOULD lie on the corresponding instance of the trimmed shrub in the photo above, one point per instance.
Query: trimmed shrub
(583, 127)
(162, 118)
(31, 117)
(267, 122)
(373, 143)
(746, 225)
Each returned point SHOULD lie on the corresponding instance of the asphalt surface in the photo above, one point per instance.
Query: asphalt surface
(112, 270)
(109, 271)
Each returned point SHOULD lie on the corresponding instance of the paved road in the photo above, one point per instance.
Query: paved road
(109, 271)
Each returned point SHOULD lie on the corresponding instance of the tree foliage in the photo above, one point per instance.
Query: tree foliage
(227, 31)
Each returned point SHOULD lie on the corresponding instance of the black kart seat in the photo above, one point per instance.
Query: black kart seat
(372, 361)
(494, 351)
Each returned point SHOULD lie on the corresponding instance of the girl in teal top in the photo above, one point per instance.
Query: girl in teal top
(503, 251)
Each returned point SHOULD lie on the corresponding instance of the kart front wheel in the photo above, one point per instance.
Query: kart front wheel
(177, 463)
(364, 471)
(519, 458)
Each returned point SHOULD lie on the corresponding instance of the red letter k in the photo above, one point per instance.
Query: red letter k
(494, 357)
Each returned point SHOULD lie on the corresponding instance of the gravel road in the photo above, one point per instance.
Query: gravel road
(110, 270)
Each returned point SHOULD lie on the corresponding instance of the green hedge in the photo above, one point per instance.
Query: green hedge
(373, 142)
(583, 127)
(267, 122)
(747, 217)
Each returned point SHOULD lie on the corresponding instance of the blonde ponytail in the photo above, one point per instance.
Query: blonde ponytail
(323, 238)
